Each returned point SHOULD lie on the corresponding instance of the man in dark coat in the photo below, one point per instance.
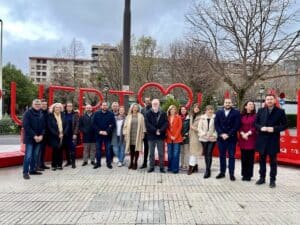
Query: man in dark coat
(34, 128)
(104, 122)
(227, 123)
(270, 121)
(41, 158)
(89, 139)
(145, 140)
(156, 126)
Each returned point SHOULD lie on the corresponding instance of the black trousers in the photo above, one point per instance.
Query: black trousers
(146, 149)
(273, 166)
(247, 160)
(57, 157)
(208, 148)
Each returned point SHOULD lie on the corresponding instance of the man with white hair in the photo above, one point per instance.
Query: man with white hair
(34, 128)
(89, 139)
(156, 125)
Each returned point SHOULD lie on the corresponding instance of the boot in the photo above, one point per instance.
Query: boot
(190, 170)
(195, 168)
(131, 159)
(207, 174)
(136, 158)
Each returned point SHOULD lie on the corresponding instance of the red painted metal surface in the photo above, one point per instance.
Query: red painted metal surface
(290, 145)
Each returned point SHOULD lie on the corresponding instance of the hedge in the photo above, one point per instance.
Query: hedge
(7, 126)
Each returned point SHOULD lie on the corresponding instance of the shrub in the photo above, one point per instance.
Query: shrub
(7, 126)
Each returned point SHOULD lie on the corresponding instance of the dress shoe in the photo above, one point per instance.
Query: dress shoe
(246, 179)
(96, 166)
(67, 164)
(93, 163)
(40, 169)
(272, 184)
(150, 170)
(260, 181)
(84, 163)
(206, 175)
(60, 168)
(35, 173)
(143, 166)
(109, 166)
(73, 166)
(45, 167)
(53, 168)
(162, 170)
(26, 176)
(232, 177)
(220, 175)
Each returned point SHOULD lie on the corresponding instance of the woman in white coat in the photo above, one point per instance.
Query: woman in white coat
(207, 136)
(134, 131)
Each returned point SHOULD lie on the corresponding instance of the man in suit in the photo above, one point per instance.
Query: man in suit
(103, 123)
(270, 121)
(227, 123)
(156, 125)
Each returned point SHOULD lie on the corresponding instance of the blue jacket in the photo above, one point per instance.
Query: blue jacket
(104, 121)
(34, 124)
(228, 125)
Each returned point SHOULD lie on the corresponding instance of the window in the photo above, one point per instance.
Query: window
(44, 74)
(38, 79)
(44, 67)
(38, 73)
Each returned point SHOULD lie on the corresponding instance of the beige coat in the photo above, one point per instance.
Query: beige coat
(140, 132)
(202, 129)
(195, 145)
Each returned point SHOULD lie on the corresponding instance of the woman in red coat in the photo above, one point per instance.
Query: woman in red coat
(247, 139)
(173, 139)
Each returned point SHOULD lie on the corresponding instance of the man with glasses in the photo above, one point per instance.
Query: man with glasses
(34, 128)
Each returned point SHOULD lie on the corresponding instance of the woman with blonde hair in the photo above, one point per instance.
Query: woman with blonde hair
(58, 128)
(174, 138)
(207, 136)
(134, 131)
(195, 145)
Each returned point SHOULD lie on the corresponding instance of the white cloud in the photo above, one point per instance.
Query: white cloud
(27, 30)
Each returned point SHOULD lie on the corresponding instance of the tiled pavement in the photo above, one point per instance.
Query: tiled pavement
(122, 196)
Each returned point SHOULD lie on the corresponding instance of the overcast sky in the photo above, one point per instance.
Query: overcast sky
(41, 27)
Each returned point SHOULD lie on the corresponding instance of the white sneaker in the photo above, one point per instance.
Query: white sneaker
(120, 164)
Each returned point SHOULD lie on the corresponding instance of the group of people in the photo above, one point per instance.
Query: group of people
(188, 136)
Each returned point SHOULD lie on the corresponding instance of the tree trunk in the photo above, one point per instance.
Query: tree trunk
(240, 98)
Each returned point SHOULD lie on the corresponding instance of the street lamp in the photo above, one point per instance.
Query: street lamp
(1, 37)
(261, 92)
(105, 90)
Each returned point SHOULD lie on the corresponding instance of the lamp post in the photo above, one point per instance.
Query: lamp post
(1, 87)
(105, 90)
(126, 51)
(261, 92)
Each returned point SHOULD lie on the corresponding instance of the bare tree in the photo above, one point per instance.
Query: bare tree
(247, 38)
(188, 64)
(67, 69)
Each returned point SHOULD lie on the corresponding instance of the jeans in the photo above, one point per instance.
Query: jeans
(119, 150)
(31, 157)
(173, 157)
(70, 148)
(160, 148)
(41, 157)
(225, 146)
(99, 141)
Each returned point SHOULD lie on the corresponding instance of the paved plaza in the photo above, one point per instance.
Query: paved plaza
(121, 196)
